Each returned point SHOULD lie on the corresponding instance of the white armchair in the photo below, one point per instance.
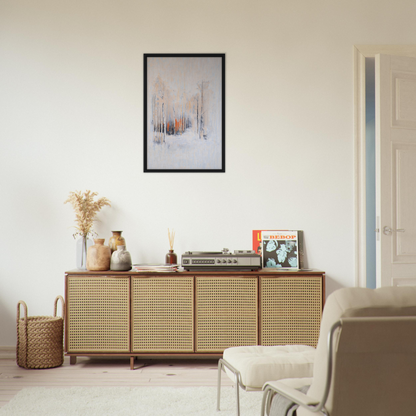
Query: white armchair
(365, 363)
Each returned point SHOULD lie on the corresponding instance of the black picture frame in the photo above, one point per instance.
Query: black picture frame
(184, 112)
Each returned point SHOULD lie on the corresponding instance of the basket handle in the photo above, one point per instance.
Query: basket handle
(56, 306)
(24, 340)
(21, 302)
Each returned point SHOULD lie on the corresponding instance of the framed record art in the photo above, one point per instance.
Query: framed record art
(184, 113)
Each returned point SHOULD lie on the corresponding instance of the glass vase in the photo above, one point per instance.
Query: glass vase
(81, 252)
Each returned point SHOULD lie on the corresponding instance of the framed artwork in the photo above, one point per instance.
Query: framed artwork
(184, 113)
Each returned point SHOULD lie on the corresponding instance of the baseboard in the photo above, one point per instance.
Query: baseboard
(7, 352)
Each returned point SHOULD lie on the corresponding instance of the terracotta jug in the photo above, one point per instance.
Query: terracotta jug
(98, 256)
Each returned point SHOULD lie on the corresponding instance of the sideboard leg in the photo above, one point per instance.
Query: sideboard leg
(131, 363)
(72, 359)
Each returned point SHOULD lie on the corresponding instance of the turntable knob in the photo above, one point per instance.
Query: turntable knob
(225, 250)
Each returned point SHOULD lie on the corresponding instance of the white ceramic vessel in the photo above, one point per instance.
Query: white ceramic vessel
(121, 259)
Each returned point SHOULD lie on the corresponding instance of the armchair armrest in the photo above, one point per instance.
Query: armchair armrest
(312, 404)
(291, 393)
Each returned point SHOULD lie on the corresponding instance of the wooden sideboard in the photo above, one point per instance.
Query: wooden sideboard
(189, 313)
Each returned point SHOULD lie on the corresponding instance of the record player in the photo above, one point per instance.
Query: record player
(240, 260)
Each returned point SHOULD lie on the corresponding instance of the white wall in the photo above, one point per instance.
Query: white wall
(71, 118)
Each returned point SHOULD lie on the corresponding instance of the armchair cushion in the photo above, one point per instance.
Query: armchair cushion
(258, 364)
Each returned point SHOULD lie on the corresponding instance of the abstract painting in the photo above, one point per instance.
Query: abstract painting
(184, 113)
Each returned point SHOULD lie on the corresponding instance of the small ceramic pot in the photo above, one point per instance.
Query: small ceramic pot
(121, 259)
(98, 256)
(171, 258)
(116, 240)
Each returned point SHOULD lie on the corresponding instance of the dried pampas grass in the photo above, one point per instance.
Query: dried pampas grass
(85, 210)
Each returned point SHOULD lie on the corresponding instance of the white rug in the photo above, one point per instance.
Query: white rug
(130, 401)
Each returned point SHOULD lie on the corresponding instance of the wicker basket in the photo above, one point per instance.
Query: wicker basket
(40, 338)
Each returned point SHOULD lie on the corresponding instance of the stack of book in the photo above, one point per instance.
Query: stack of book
(155, 267)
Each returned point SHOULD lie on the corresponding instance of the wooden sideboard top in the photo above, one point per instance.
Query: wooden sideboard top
(262, 272)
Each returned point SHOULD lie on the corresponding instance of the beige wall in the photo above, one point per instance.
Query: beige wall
(71, 117)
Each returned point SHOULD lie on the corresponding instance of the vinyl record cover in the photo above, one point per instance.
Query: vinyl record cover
(280, 249)
(257, 241)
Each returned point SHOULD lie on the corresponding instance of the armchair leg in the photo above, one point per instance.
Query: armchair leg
(219, 384)
(237, 391)
(221, 364)
(266, 401)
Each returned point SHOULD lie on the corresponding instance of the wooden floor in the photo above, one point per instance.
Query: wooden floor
(109, 372)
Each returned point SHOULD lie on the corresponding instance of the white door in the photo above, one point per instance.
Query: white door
(396, 170)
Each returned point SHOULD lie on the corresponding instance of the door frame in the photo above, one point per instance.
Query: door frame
(360, 53)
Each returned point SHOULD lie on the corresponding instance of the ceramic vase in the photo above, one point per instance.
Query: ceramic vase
(116, 240)
(121, 259)
(82, 246)
(171, 258)
(98, 256)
